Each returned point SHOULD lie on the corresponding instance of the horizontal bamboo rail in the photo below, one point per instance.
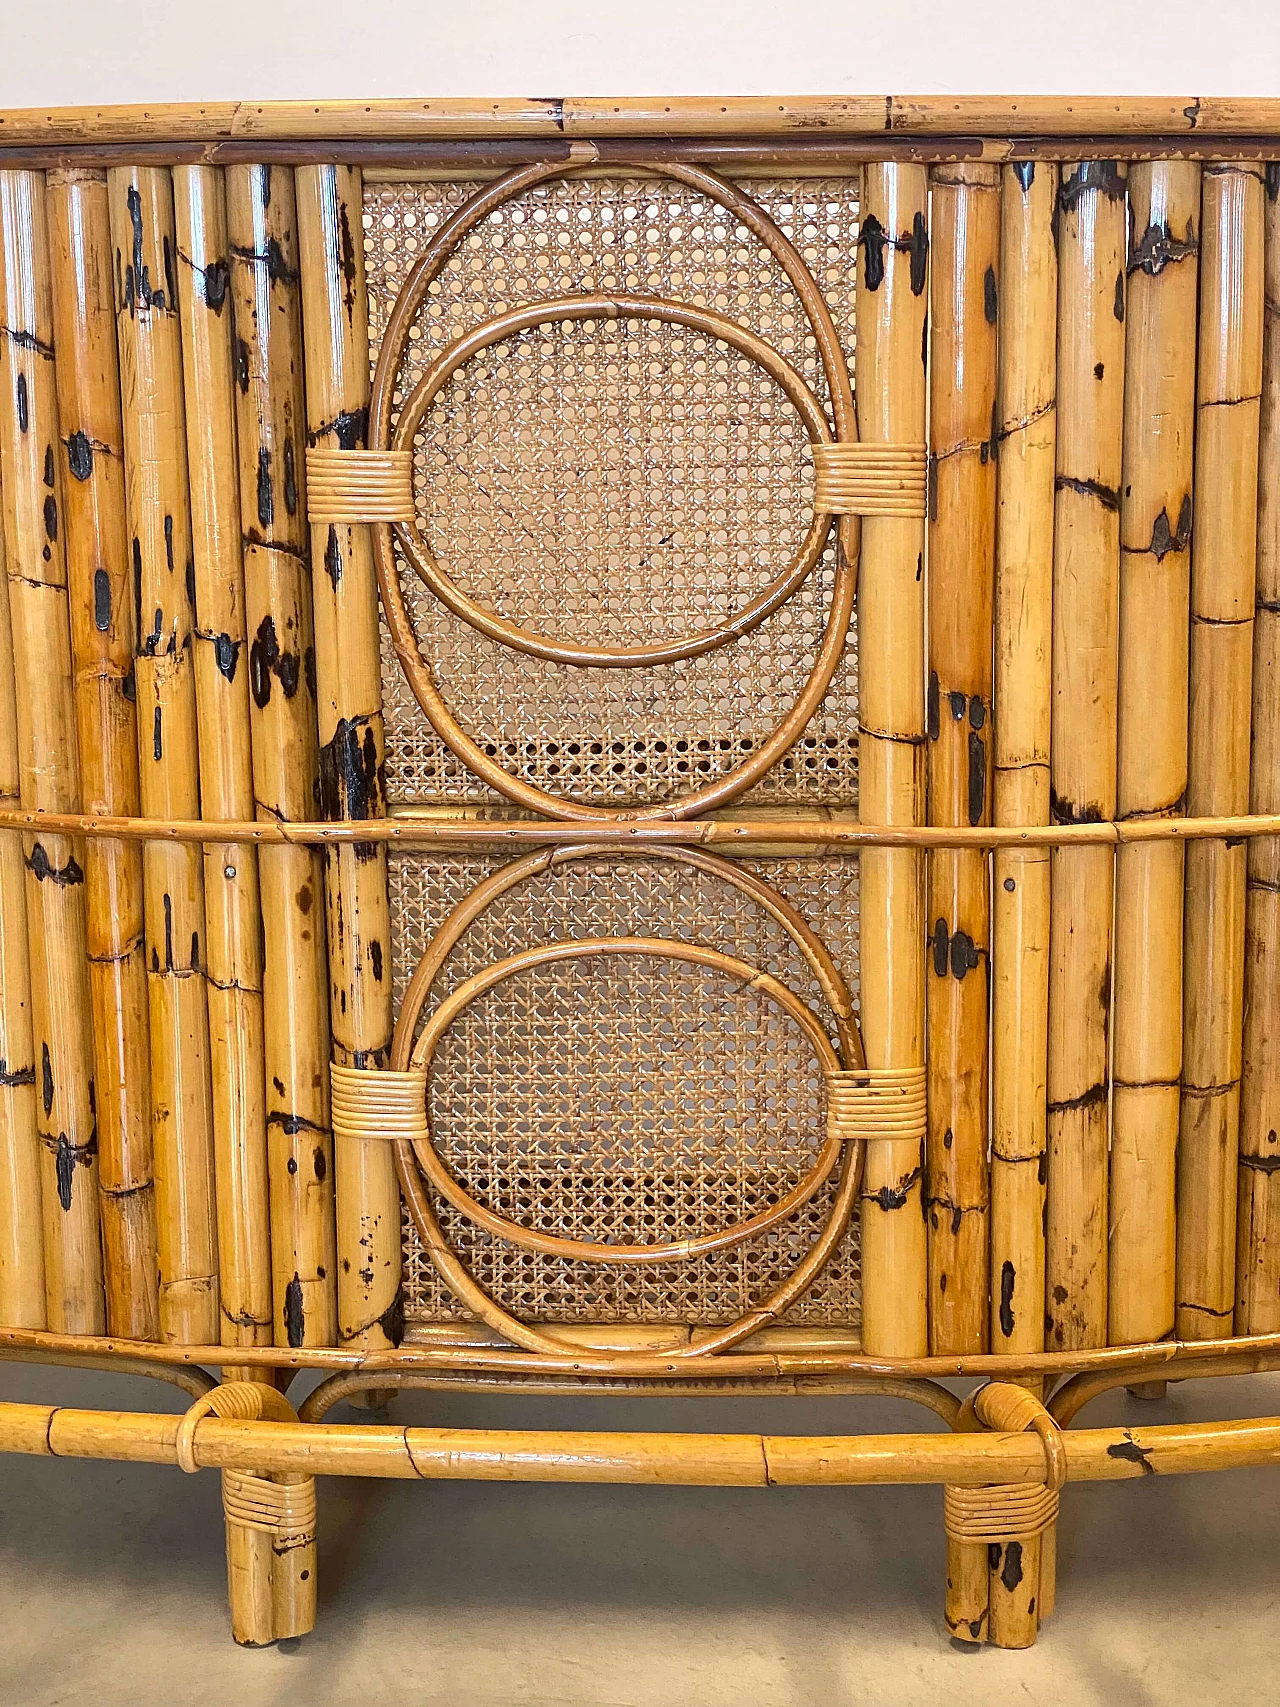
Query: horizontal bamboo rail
(683, 1460)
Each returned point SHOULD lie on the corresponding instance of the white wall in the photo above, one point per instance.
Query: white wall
(68, 52)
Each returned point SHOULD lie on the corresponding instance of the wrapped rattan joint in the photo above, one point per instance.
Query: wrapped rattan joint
(372, 1103)
(359, 485)
(866, 479)
(867, 1103)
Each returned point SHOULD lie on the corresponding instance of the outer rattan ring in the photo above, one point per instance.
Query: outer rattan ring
(404, 640)
(415, 1161)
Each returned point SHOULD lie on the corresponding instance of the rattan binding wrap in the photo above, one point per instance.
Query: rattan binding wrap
(1008, 1511)
(869, 479)
(373, 1103)
(866, 1103)
(359, 485)
(284, 1510)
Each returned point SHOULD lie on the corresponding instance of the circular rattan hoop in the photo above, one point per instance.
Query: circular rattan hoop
(616, 307)
(418, 673)
(419, 1164)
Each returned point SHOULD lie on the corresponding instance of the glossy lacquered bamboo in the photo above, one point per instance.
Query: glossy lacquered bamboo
(149, 336)
(101, 597)
(352, 742)
(891, 395)
(965, 242)
(271, 438)
(1155, 579)
(1223, 560)
(1258, 1221)
(1091, 307)
(233, 932)
(1027, 417)
(49, 772)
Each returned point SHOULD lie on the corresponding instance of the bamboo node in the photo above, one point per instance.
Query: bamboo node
(868, 1103)
(359, 485)
(284, 1510)
(862, 479)
(374, 1103)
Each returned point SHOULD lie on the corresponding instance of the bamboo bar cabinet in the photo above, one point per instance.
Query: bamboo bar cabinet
(640, 752)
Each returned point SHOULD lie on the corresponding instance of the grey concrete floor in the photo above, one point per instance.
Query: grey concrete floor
(469, 1595)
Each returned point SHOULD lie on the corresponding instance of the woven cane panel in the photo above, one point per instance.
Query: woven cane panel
(628, 1099)
(618, 483)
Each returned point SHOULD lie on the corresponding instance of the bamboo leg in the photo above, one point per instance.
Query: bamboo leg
(1014, 1620)
(965, 238)
(233, 948)
(1258, 1231)
(148, 332)
(967, 1592)
(49, 776)
(1091, 307)
(891, 298)
(349, 701)
(100, 590)
(1223, 559)
(270, 417)
(249, 1587)
(1155, 539)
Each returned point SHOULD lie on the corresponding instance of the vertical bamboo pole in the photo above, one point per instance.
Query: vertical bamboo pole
(1258, 1231)
(233, 946)
(22, 1302)
(349, 698)
(271, 424)
(49, 771)
(1155, 581)
(890, 356)
(149, 337)
(102, 635)
(964, 232)
(1223, 562)
(1086, 574)
(1027, 434)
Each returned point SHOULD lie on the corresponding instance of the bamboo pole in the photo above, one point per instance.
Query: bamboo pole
(233, 944)
(49, 772)
(147, 327)
(1091, 308)
(22, 1303)
(1223, 590)
(891, 301)
(965, 238)
(102, 640)
(1258, 1223)
(1155, 580)
(270, 417)
(352, 744)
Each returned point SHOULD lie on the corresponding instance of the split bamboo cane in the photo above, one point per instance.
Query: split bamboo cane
(1086, 571)
(233, 941)
(890, 306)
(148, 331)
(49, 774)
(102, 637)
(1155, 591)
(965, 238)
(1258, 1227)
(271, 430)
(1223, 590)
(352, 743)
(22, 1302)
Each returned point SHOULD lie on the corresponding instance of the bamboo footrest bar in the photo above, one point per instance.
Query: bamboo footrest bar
(628, 765)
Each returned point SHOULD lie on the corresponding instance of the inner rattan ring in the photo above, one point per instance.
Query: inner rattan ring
(842, 429)
(420, 1167)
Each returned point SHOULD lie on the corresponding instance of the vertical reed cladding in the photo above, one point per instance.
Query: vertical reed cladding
(102, 640)
(1223, 561)
(49, 770)
(965, 237)
(1027, 435)
(1027, 414)
(1086, 590)
(271, 423)
(22, 1302)
(891, 354)
(1155, 590)
(233, 936)
(149, 336)
(1258, 1227)
(352, 742)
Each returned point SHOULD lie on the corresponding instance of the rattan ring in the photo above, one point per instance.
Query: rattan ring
(394, 343)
